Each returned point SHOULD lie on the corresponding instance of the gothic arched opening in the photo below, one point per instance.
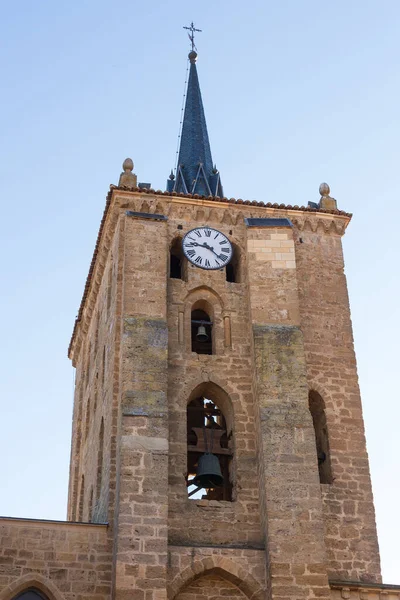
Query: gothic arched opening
(208, 435)
(31, 594)
(317, 410)
(176, 260)
(201, 329)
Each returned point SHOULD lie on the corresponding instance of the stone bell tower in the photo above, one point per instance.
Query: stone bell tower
(249, 362)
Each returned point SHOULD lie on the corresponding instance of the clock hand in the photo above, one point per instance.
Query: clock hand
(210, 248)
(205, 245)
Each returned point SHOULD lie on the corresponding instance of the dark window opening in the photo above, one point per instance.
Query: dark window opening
(175, 270)
(209, 452)
(30, 594)
(232, 271)
(201, 332)
(176, 260)
(317, 409)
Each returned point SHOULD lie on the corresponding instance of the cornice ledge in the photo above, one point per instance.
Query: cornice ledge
(326, 223)
(215, 199)
(366, 591)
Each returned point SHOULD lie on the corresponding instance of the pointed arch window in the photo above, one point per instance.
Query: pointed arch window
(317, 410)
(207, 435)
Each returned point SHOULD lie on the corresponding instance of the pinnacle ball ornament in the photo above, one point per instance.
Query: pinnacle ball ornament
(127, 165)
(324, 189)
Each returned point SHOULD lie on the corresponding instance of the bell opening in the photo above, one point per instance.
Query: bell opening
(201, 332)
(209, 455)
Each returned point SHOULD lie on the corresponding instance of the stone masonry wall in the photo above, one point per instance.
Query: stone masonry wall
(141, 517)
(93, 434)
(351, 538)
(295, 536)
(64, 560)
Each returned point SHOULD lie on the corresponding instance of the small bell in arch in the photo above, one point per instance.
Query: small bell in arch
(201, 335)
(208, 472)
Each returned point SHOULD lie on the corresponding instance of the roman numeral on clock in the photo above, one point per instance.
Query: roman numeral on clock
(207, 263)
(198, 260)
(223, 257)
(207, 232)
(191, 253)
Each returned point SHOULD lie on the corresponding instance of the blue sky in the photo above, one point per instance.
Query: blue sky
(295, 93)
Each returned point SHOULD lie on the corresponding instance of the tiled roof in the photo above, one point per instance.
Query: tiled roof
(195, 197)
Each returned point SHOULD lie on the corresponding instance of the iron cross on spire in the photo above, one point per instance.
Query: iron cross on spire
(192, 29)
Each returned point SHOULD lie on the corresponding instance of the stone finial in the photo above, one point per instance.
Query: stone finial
(192, 57)
(127, 178)
(326, 201)
(324, 189)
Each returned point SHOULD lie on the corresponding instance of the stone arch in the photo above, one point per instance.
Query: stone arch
(204, 292)
(206, 298)
(31, 580)
(224, 568)
(219, 395)
(210, 429)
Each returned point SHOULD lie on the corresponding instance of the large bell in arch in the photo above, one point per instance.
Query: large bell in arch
(208, 472)
(201, 335)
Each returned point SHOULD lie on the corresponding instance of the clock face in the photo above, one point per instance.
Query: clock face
(207, 248)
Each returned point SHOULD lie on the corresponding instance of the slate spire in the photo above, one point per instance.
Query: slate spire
(195, 172)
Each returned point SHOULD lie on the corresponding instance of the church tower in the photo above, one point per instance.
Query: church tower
(217, 422)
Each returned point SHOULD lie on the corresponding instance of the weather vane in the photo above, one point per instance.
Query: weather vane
(192, 29)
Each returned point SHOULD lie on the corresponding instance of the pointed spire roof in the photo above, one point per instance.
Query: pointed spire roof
(195, 173)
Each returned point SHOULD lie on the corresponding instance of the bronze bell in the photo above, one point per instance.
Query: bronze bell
(201, 335)
(208, 472)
